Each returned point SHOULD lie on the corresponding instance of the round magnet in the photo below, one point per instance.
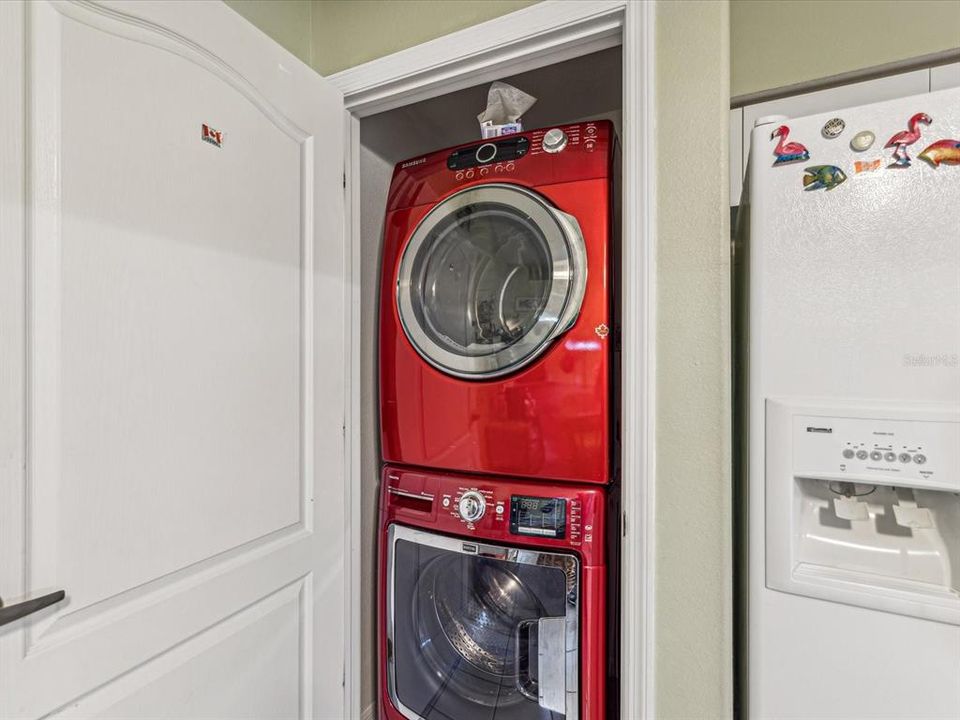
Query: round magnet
(833, 128)
(862, 140)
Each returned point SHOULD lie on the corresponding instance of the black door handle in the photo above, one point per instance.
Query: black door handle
(9, 613)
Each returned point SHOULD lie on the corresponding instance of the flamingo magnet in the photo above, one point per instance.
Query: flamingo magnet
(787, 152)
(905, 138)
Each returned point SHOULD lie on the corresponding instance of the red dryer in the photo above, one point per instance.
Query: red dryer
(492, 601)
(497, 335)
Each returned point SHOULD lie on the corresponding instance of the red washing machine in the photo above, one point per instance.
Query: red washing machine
(497, 309)
(492, 598)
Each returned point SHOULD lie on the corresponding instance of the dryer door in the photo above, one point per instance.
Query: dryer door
(489, 279)
(478, 631)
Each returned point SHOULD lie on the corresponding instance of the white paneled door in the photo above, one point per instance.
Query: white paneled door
(172, 372)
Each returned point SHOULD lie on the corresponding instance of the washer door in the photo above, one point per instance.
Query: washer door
(489, 279)
(479, 631)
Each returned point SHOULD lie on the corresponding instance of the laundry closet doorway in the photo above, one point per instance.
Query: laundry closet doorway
(582, 61)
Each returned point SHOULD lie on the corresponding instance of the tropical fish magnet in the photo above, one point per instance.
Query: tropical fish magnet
(787, 152)
(905, 138)
(819, 177)
(942, 151)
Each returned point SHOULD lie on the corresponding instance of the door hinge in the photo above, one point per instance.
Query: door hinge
(344, 181)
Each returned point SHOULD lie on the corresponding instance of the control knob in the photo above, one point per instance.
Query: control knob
(554, 140)
(472, 506)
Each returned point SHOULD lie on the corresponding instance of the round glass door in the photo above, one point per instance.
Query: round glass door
(478, 636)
(489, 278)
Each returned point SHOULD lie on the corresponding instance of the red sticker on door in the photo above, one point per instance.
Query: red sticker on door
(214, 137)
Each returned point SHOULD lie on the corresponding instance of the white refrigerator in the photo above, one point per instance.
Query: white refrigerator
(849, 258)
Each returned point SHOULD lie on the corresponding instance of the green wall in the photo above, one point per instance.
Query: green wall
(351, 32)
(332, 35)
(782, 42)
(693, 616)
(286, 21)
(773, 42)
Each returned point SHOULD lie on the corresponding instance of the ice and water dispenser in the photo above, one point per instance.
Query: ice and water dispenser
(863, 505)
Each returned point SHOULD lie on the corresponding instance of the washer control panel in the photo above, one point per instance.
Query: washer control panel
(507, 511)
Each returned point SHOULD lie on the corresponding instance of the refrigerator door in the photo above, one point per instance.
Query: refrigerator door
(854, 301)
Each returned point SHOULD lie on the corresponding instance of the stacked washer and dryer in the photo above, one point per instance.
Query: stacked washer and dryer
(499, 425)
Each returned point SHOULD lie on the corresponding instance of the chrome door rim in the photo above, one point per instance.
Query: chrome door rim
(498, 552)
(569, 270)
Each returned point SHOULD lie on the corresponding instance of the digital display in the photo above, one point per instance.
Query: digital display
(543, 517)
(509, 148)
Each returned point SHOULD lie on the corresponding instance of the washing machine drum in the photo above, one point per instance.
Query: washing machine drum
(467, 633)
(490, 277)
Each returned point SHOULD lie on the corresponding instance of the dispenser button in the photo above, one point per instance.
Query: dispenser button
(919, 458)
(876, 455)
(905, 457)
(861, 454)
(848, 454)
(890, 456)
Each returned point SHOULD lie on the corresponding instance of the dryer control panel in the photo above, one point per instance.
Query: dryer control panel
(558, 154)
(493, 151)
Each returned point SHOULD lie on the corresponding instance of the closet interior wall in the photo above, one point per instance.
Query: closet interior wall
(584, 88)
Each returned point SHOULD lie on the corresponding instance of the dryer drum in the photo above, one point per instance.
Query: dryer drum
(489, 278)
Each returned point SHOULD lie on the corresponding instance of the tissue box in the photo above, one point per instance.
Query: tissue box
(489, 130)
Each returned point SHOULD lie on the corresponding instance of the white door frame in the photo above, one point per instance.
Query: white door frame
(545, 33)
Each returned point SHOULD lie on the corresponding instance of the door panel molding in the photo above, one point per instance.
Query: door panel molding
(44, 477)
(246, 537)
(101, 699)
(136, 28)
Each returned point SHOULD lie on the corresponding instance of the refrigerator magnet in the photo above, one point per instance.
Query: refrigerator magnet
(905, 138)
(787, 152)
(863, 140)
(823, 177)
(861, 166)
(942, 151)
(832, 128)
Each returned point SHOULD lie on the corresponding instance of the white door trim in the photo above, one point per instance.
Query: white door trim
(545, 33)
(542, 34)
